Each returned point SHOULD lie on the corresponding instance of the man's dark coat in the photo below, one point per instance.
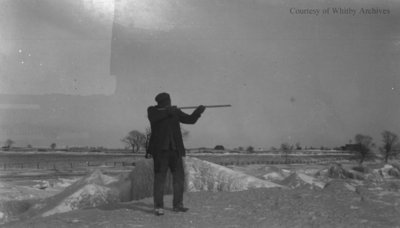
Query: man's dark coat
(163, 124)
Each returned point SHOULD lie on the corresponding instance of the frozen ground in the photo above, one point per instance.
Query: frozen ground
(312, 200)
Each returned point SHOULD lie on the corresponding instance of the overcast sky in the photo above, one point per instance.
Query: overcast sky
(84, 72)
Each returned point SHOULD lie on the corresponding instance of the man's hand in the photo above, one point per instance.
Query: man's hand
(200, 109)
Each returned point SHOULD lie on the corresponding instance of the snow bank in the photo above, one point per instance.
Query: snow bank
(389, 171)
(206, 176)
(97, 189)
(374, 176)
(274, 176)
(337, 171)
(395, 164)
(200, 175)
(90, 191)
(296, 180)
(90, 195)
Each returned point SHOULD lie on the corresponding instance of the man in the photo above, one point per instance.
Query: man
(167, 149)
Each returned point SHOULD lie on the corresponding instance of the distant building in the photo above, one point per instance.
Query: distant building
(351, 147)
(219, 147)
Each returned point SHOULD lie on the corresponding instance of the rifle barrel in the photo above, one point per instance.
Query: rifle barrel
(207, 106)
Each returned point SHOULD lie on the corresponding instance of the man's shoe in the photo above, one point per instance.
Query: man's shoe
(180, 209)
(159, 211)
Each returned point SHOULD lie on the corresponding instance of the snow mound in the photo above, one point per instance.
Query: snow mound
(65, 182)
(90, 191)
(374, 176)
(97, 189)
(200, 175)
(395, 164)
(91, 195)
(206, 176)
(96, 177)
(258, 171)
(389, 171)
(296, 180)
(276, 174)
(337, 171)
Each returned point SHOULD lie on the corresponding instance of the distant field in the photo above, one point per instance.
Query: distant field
(247, 159)
(50, 160)
(70, 160)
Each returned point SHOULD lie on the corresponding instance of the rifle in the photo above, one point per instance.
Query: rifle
(207, 106)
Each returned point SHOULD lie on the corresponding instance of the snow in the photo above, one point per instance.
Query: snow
(350, 187)
(98, 177)
(311, 180)
(273, 176)
(297, 179)
(90, 191)
(98, 189)
(207, 176)
(91, 195)
(63, 182)
(385, 171)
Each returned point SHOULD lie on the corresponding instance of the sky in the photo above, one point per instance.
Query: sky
(83, 72)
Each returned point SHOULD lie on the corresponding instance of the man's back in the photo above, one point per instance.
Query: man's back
(165, 126)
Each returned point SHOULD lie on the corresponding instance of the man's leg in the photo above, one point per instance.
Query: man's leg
(178, 178)
(160, 173)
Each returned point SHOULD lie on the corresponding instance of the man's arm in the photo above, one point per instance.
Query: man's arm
(191, 119)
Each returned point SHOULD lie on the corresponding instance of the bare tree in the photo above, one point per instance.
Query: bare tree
(219, 147)
(53, 146)
(135, 140)
(364, 143)
(298, 146)
(8, 144)
(390, 141)
(286, 149)
(250, 149)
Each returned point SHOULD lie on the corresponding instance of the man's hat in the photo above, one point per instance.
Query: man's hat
(162, 97)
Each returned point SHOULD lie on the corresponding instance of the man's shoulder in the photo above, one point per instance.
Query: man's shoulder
(152, 108)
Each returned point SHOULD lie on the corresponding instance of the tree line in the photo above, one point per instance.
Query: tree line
(136, 140)
(363, 145)
(390, 145)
